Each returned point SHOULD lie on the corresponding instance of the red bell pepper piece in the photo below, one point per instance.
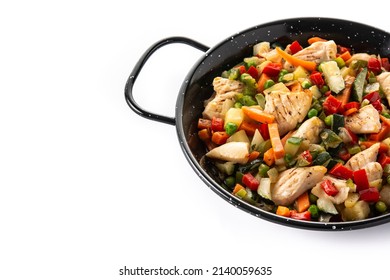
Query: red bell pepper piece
(361, 179)
(372, 96)
(306, 155)
(306, 215)
(316, 78)
(383, 159)
(374, 65)
(331, 105)
(377, 105)
(250, 181)
(242, 69)
(272, 69)
(329, 188)
(217, 124)
(253, 72)
(385, 63)
(370, 195)
(342, 172)
(295, 47)
(350, 105)
(264, 131)
(344, 154)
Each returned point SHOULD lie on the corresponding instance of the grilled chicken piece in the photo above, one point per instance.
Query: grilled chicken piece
(294, 182)
(374, 171)
(360, 160)
(223, 99)
(289, 108)
(263, 49)
(341, 186)
(310, 130)
(384, 81)
(366, 120)
(318, 52)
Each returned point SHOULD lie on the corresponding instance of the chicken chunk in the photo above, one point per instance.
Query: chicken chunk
(294, 182)
(374, 171)
(384, 81)
(360, 160)
(223, 99)
(289, 108)
(366, 120)
(318, 52)
(310, 130)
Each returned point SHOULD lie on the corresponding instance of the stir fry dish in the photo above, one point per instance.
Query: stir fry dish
(303, 129)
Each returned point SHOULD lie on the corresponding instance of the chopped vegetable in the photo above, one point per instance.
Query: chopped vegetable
(302, 133)
(308, 65)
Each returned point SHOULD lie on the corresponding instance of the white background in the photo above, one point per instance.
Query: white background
(87, 186)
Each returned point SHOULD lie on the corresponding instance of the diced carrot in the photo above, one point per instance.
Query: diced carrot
(204, 134)
(308, 65)
(302, 203)
(275, 140)
(237, 188)
(219, 137)
(258, 115)
(283, 211)
(249, 127)
(269, 157)
(346, 93)
(382, 134)
(383, 148)
(253, 155)
(345, 56)
(350, 111)
(385, 120)
(315, 39)
(261, 82)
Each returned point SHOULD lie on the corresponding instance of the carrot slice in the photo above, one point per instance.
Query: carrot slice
(308, 65)
(315, 39)
(258, 115)
(302, 202)
(262, 80)
(275, 141)
(253, 155)
(237, 188)
(283, 211)
(346, 56)
(269, 157)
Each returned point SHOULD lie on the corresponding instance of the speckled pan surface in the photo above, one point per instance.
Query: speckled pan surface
(197, 87)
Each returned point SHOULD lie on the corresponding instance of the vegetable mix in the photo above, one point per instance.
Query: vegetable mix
(304, 129)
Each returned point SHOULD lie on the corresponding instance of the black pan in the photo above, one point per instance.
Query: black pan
(197, 87)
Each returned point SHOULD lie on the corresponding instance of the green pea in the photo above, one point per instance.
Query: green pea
(312, 113)
(230, 128)
(314, 211)
(380, 206)
(269, 83)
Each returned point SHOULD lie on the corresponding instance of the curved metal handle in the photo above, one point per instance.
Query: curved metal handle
(137, 68)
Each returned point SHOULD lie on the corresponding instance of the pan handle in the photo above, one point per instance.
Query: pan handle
(137, 69)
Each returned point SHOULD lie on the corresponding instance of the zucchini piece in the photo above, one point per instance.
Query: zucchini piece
(322, 159)
(358, 85)
(292, 145)
(264, 189)
(338, 121)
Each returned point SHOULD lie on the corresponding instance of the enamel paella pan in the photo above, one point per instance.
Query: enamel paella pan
(198, 87)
